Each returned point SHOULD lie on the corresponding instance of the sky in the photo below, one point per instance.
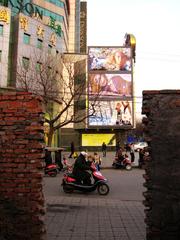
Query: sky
(155, 25)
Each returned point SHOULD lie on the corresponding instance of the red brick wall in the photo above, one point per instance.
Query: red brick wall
(21, 167)
(162, 168)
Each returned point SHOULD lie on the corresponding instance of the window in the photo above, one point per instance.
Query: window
(26, 38)
(25, 62)
(38, 66)
(39, 43)
(49, 48)
(1, 29)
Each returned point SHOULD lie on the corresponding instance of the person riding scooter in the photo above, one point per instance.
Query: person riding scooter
(81, 166)
(119, 156)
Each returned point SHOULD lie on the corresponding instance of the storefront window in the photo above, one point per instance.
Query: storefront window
(26, 38)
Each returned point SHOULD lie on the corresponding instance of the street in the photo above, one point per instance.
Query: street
(79, 216)
(124, 185)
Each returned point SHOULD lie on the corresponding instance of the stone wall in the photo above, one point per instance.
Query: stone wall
(162, 168)
(21, 163)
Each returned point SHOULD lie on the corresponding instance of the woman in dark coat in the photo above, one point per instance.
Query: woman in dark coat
(72, 150)
(80, 169)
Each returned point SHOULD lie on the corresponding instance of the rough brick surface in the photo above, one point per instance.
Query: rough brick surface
(21, 167)
(162, 169)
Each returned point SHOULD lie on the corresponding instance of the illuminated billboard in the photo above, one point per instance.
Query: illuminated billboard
(110, 85)
(109, 59)
(97, 139)
(117, 113)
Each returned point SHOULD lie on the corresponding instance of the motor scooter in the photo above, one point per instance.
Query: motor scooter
(70, 183)
(51, 170)
(124, 164)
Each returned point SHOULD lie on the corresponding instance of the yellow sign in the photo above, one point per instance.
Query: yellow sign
(53, 39)
(97, 139)
(40, 31)
(4, 16)
(24, 23)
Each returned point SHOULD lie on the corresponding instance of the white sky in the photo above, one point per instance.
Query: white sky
(156, 26)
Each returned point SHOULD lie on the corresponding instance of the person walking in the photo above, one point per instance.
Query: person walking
(104, 148)
(72, 150)
(132, 152)
(117, 146)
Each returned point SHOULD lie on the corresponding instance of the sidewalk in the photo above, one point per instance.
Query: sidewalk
(106, 161)
(72, 218)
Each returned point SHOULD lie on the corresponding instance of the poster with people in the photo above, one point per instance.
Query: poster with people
(109, 59)
(110, 85)
(112, 113)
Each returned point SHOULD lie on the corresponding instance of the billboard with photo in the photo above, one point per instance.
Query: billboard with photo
(91, 139)
(117, 113)
(110, 85)
(109, 59)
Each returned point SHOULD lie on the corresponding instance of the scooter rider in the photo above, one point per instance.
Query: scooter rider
(120, 156)
(80, 169)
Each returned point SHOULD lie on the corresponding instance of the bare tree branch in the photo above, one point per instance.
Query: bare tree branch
(61, 82)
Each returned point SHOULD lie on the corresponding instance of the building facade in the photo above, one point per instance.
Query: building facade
(34, 27)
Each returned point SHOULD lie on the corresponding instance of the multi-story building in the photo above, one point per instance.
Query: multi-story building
(32, 28)
(35, 26)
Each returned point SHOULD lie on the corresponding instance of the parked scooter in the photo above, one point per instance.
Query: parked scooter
(125, 163)
(70, 183)
(51, 170)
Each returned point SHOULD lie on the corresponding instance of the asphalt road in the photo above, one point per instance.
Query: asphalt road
(124, 185)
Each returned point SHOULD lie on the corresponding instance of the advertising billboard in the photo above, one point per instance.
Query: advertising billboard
(117, 113)
(110, 85)
(109, 59)
(91, 139)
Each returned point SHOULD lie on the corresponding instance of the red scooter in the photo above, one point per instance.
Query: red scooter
(125, 163)
(70, 183)
(51, 170)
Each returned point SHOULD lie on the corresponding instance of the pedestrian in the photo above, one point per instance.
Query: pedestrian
(58, 160)
(48, 157)
(104, 148)
(141, 157)
(97, 161)
(72, 150)
(117, 146)
(132, 152)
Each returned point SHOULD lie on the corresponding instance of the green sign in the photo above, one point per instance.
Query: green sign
(54, 26)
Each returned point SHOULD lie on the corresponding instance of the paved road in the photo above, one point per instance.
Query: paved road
(124, 185)
(117, 216)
